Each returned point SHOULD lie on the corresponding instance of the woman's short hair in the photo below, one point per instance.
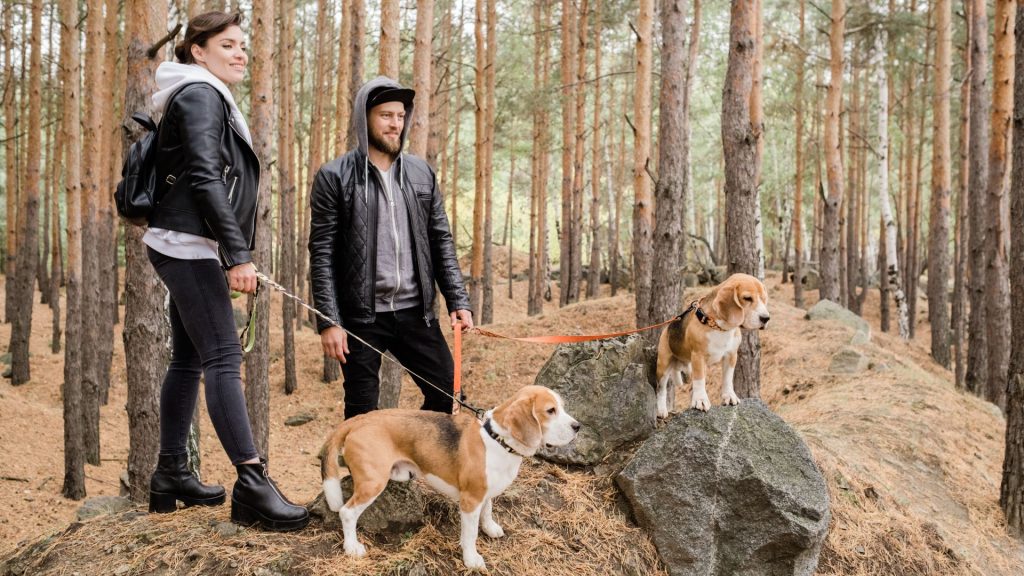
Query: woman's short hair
(202, 28)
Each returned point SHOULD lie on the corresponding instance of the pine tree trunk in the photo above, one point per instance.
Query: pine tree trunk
(74, 442)
(487, 312)
(257, 361)
(594, 268)
(575, 230)
(938, 243)
(739, 143)
(568, 75)
(285, 175)
(798, 193)
(672, 189)
(343, 104)
(479, 160)
(829, 257)
(28, 252)
(11, 122)
(1011, 491)
(419, 131)
(643, 200)
(976, 378)
(389, 40)
(539, 155)
(959, 312)
(356, 55)
(997, 283)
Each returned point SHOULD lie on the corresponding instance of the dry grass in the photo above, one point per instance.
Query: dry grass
(912, 465)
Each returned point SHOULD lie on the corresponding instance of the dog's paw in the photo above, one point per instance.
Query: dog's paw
(356, 549)
(474, 561)
(700, 402)
(730, 400)
(662, 413)
(493, 529)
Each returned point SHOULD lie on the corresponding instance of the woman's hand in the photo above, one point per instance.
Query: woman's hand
(242, 278)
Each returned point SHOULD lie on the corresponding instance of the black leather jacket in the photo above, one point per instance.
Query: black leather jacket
(343, 239)
(209, 174)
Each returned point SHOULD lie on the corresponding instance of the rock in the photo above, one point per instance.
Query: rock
(811, 279)
(299, 419)
(607, 385)
(848, 361)
(226, 529)
(122, 569)
(828, 310)
(733, 491)
(397, 510)
(103, 505)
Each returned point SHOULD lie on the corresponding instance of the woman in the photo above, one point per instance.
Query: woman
(205, 219)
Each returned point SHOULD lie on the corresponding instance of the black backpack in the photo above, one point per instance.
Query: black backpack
(135, 196)
(138, 192)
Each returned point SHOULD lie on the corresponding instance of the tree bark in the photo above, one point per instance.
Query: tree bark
(739, 144)
(643, 200)
(285, 168)
(539, 156)
(1011, 490)
(389, 40)
(959, 312)
(422, 60)
(343, 103)
(568, 75)
(479, 160)
(11, 122)
(938, 240)
(74, 443)
(997, 236)
(594, 268)
(798, 192)
(976, 378)
(28, 251)
(487, 312)
(356, 55)
(575, 230)
(829, 257)
(257, 361)
(672, 188)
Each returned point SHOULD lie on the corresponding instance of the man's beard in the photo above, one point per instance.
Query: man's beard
(380, 143)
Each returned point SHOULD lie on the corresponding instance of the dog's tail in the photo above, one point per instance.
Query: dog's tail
(330, 471)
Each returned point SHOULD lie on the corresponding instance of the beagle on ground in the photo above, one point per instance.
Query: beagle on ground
(709, 331)
(468, 461)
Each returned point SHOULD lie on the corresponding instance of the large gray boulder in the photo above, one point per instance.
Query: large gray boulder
(829, 310)
(730, 492)
(399, 509)
(607, 385)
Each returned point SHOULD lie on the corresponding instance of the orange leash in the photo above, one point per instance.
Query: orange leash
(565, 339)
(458, 366)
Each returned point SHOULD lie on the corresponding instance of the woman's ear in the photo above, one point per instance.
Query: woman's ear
(198, 55)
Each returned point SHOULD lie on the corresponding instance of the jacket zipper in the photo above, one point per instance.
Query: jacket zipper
(390, 194)
(259, 172)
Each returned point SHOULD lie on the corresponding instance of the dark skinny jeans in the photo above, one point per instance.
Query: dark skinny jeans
(203, 340)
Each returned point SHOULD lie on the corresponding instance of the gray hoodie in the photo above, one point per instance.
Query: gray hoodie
(395, 286)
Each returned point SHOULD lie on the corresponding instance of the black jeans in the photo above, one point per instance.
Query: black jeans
(203, 339)
(419, 347)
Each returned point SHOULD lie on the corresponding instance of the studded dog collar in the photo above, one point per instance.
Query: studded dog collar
(499, 439)
(702, 316)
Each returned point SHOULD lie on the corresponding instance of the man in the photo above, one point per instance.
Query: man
(378, 241)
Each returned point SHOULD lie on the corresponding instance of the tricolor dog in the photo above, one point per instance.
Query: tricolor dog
(709, 331)
(467, 461)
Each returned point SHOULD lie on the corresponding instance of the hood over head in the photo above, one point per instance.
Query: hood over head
(359, 111)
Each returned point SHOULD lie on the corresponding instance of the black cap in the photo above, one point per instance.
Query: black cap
(390, 94)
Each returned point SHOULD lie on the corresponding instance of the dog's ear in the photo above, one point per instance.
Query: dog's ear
(727, 304)
(522, 422)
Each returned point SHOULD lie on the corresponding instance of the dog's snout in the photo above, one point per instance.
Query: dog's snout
(764, 319)
(575, 426)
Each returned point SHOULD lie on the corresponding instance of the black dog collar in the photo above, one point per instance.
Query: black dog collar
(499, 439)
(702, 316)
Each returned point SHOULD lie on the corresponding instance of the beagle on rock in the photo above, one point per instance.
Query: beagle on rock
(468, 461)
(709, 331)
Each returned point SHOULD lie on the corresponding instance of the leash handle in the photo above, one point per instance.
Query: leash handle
(457, 357)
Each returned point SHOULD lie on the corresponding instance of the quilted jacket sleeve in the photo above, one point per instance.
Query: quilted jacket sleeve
(323, 237)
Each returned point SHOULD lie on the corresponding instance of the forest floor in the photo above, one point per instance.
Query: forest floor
(913, 465)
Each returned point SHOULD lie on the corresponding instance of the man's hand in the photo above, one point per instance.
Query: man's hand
(335, 343)
(464, 316)
(242, 278)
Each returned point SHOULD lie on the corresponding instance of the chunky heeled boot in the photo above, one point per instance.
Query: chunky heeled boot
(255, 499)
(173, 481)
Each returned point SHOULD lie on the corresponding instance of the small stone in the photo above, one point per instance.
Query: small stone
(299, 419)
(226, 529)
(122, 569)
(861, 551)
(233, 564)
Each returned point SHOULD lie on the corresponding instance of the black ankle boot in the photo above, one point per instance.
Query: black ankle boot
(173, 481)
(255, 499)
